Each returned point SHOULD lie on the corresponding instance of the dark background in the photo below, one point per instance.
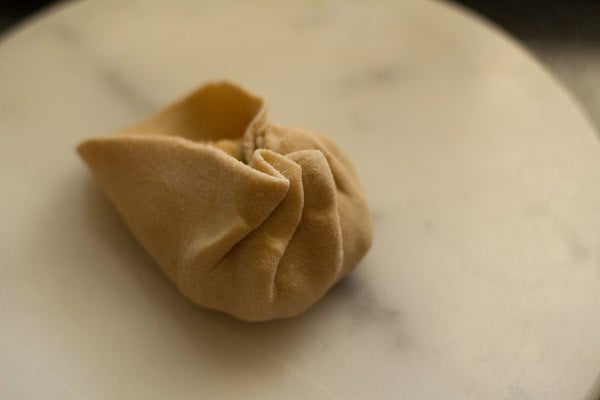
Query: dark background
(538, 20)
(563, 34)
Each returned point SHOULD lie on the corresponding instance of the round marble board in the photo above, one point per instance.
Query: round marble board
(482, 174)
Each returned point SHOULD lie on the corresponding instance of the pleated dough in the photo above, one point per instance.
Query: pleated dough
(246, 217)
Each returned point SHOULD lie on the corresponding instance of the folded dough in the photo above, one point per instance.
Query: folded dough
(246, 217)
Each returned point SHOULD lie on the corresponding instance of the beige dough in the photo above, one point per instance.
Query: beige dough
(246, 217)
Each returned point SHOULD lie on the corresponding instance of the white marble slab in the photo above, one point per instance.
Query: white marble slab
(483, 177)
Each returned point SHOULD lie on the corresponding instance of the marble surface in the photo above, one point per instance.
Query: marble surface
(482, 174)
(564, 36)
